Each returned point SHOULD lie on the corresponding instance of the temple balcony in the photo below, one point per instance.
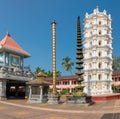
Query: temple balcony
(97, 58)
(96, 46)
(20, 74)
(95, 70)
(94, 36)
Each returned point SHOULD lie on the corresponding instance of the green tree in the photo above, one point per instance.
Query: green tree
(58, 73)
(50, 73)
(116, 63)
(38, 69)
(67, 64)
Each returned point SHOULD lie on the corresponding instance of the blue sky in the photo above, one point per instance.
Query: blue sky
(29, 23)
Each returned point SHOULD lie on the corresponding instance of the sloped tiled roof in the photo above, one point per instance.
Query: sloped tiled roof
(7, 43)
(116, 72)
(40, 80)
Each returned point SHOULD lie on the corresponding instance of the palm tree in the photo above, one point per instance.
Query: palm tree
(50, 73)
(58, 73)
(38, 69)
(67, 64)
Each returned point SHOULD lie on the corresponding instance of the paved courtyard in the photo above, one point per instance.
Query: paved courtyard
(21, 109)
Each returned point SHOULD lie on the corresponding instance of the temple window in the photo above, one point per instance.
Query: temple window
(107, 76)
(99, 65)
(99, 43)
(99, 76)
(99, 22)
(100, 32)
(90, 54)
(89, 77)
(99, 54)
(90, 23)
(91, 33)
(90, 43)
(90, 66)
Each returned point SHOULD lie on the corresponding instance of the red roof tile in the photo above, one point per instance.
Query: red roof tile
(9, 43)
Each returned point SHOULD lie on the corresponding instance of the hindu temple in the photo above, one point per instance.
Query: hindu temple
(13, 73)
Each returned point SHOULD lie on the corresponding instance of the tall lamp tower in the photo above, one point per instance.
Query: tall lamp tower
(53, 98)
(54, 55)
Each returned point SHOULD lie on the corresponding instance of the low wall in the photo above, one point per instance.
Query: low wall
(104, 97)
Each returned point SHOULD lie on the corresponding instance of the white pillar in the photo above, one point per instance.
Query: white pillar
(30, 92)
(70, 86)
(41, 93)
(2, 90)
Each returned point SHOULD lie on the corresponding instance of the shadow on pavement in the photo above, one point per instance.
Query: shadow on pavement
(111, 116)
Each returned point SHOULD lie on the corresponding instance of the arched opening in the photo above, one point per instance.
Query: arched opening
(91, 33)
(90, 43)
(99, 76)
(90, 65)
(100, 43)
(90, 54)
(99, 65)
(100, 32)
(89, 77)
(99, 54)
(99, 22)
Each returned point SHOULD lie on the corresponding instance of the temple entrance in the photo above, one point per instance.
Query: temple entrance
(15, 90)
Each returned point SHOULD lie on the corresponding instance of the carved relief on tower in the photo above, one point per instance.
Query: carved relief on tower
(99, 86)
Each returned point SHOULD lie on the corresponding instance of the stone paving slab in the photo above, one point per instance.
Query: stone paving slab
(21, 109)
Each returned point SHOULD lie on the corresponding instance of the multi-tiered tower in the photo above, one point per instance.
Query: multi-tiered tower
(97, 53)
(79, 53)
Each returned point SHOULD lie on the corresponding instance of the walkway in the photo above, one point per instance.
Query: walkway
(21, 109)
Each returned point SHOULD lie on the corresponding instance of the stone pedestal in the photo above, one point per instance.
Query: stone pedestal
(80, 100)
(53, 99)
(2, 90)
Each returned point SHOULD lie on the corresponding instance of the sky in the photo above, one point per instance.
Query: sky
(29, 24)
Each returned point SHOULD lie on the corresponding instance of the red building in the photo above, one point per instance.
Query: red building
(116, 77)
(64, 82)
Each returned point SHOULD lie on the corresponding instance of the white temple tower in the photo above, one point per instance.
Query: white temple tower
(97, 53)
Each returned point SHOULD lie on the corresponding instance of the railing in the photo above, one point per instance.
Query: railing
(18, 73)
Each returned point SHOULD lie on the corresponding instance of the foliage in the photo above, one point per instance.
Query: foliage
(75, 90)
(113, 87)
(38, 69)
(50, 90)
(116, 63)
(116, 89)
(65, 91)
(79, 91)
(67, 64)
(48, 73)
(82, 94)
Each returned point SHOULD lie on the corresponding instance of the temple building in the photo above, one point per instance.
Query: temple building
(13, 73)
(97, 53)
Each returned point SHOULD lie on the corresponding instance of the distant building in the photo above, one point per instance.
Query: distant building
(13, 73)
(116, 78)
(70, 82)
(65, 82)
(97, 53)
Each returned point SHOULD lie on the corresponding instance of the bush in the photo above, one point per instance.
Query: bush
(82, 94)
(65, 91)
